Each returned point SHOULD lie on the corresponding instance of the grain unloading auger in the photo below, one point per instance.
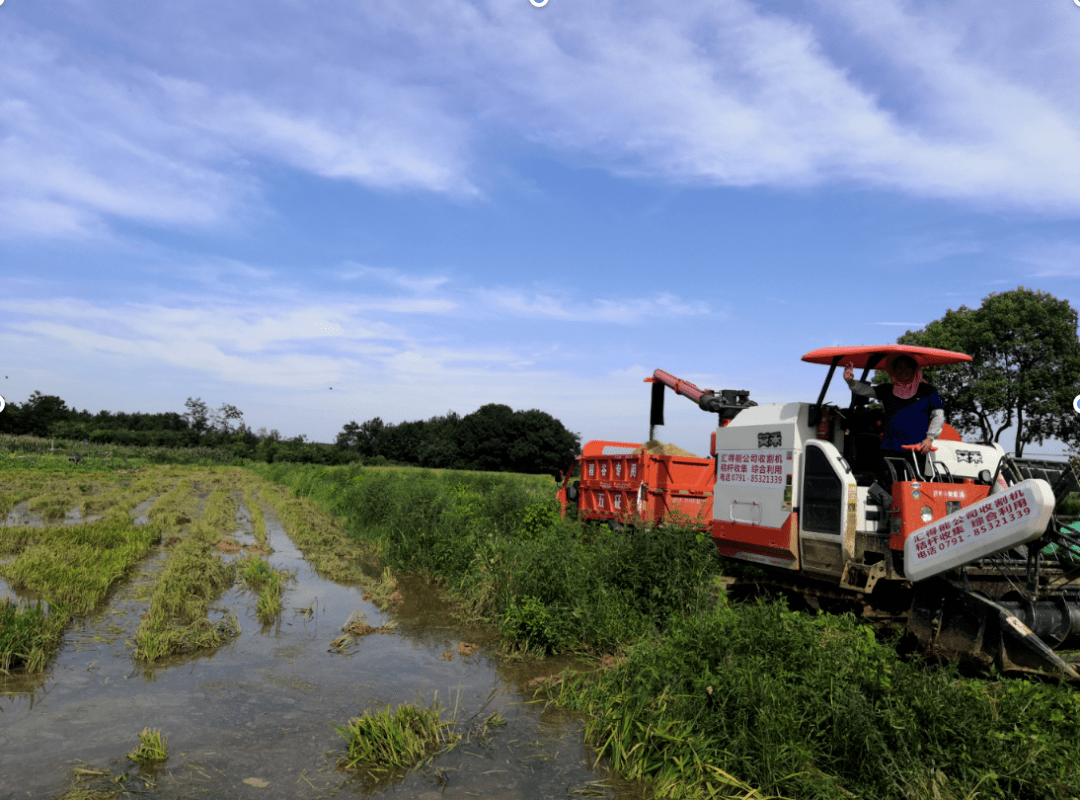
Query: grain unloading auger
(968, 552)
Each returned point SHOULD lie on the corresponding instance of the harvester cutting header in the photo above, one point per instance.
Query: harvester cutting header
(962, 544)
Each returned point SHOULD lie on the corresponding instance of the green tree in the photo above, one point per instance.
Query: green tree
(543, 444)
(496, 438)
(1024, 372)
(11, 419)
(198, 415)
(486, 436)
(349, 436)
(370, 437)
(41, 412)
(225, 416)
(439, 449)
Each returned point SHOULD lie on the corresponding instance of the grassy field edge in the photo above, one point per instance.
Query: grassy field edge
(704, 698)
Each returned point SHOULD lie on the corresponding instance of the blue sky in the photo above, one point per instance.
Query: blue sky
(432, 206)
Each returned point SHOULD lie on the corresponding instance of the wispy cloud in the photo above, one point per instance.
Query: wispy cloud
(392, 277)
(929, 248)
(1055, 258)
(383, 137)
(628, 311)
(172, 331)
(267, 339)
(731, 93)
(309, 368)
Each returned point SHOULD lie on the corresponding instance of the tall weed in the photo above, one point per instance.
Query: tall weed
(795, 705)
(500, 545)
(815, 707)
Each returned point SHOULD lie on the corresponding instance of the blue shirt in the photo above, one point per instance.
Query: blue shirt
(906, 421)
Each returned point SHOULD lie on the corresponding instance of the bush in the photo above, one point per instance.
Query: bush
(815, 707)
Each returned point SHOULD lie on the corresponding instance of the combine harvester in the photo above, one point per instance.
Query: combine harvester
(968, 554)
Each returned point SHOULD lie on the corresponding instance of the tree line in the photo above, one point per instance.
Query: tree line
(1024, 374)
(493, 438)
(49, 416)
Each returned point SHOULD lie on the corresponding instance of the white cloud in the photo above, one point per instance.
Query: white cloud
(85, 146)
(621, 311)
(170, 118)
(724, 93)
(277, 361)
(394, 277)
(278, 373)
(176, 333)
(1054, 258)
(264, 340)
(383, 137)
(938, 245)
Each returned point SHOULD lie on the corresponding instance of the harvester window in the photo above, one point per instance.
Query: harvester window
(861, 444)
(822, 494)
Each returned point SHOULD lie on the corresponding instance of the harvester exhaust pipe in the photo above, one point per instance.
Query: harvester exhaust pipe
(727, 403)
(656, 409)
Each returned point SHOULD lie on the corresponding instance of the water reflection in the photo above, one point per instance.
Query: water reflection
(258, 711)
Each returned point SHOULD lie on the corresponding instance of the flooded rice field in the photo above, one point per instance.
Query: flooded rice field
(254, 717)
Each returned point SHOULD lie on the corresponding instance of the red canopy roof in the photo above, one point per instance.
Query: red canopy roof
(859, 356)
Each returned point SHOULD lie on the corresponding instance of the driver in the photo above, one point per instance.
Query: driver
(914, 413)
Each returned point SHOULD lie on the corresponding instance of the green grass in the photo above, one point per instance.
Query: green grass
(124, 494)
(45, 490)
(384, 591)
(500, 546)
(176, 507)
(28, 636)
(73, 569)
(194, 576)
(152, 749)
(54, 505)
(91, 493)
(220, 510)
(267, 582)
(816, 707)
(34, 453)
(707, 699)
(396, 739)
(704, 699)
(76, 574)
(251, 501)
(320, 537)
(176, 620)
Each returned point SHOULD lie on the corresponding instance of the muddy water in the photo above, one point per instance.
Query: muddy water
(253, 719)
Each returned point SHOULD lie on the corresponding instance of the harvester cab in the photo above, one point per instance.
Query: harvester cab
(957, 547)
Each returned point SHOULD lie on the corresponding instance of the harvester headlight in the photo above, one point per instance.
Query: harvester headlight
(926, 514)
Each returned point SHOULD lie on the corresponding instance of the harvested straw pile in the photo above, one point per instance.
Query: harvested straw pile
(656, 448)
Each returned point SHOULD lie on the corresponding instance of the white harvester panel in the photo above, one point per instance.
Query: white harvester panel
(1013, 516)
(754, 465)
(957, 460)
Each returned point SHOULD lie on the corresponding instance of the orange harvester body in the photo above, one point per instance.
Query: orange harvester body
(622, 482)
(804, 490)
